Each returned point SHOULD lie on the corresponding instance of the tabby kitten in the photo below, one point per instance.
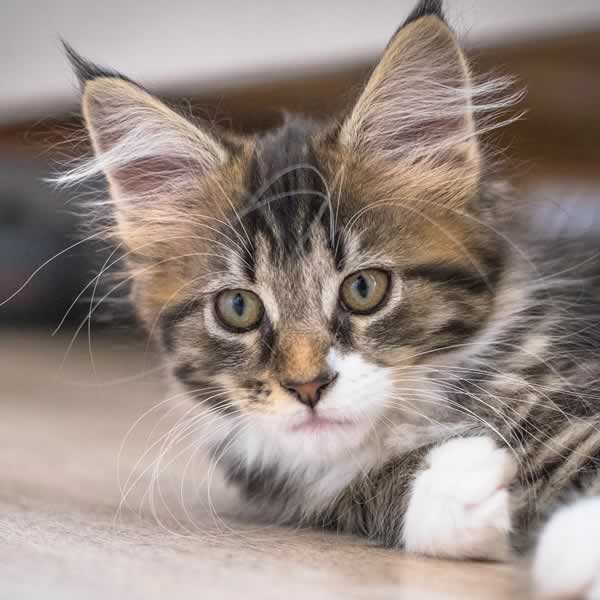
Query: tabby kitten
(385, 347)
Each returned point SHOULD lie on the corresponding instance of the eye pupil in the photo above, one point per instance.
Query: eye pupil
(238, 304)
(362, 286)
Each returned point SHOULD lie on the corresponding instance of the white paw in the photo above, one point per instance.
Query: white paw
(459, 505)
(567, 558)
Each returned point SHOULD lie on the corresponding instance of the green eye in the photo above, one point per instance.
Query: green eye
(239, 310)
(364, 291)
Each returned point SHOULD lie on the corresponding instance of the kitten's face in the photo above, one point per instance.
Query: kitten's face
(319, 296)
(275, 346)
(275, 342)
(300, 280)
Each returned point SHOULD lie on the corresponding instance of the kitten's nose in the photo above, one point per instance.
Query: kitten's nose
(309, 392)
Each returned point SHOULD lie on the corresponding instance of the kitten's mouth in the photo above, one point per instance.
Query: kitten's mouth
(316, 423)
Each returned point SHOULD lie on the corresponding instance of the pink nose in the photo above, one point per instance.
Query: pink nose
(309, 392)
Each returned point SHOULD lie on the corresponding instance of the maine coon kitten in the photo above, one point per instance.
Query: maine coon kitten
(386, 349)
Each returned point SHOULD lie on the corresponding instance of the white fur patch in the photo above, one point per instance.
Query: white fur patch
(567, 559)
(459, 505)
(362, 387)
(324, 462)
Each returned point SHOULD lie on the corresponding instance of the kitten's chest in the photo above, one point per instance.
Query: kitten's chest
(291, 489)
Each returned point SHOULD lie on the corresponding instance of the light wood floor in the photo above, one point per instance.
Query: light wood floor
(67, 459)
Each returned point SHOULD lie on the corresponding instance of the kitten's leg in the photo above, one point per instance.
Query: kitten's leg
(450, 500)
(567, 557)
(459, 504)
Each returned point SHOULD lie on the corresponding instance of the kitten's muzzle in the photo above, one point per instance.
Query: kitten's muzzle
(309, 392)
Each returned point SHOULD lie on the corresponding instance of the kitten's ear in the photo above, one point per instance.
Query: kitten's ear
(147, 151)
(142, 142)
(417, 104)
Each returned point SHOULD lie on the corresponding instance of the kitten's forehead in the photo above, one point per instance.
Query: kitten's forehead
(295, 212)
(301, 288)
(286, 191)
(289, 217)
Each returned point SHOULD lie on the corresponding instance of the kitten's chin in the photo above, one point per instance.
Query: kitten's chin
(317, 424)
(314, 439)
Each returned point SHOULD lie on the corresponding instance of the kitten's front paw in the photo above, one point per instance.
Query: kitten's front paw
(459, 505)
(567, 558)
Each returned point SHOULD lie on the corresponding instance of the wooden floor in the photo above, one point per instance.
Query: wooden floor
(87, 509)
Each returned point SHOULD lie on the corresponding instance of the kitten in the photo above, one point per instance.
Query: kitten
(384, 346)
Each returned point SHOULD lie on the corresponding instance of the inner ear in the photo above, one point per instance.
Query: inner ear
(417, 104)
(141, 144)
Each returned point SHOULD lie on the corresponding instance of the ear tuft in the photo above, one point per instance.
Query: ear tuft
(425, 8)
(86, 71)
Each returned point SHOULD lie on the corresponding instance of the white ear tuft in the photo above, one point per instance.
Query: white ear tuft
(141, 145)
(420, 101)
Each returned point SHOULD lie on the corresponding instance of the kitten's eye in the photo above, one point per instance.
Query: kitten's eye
(364, 291)
(239, 310)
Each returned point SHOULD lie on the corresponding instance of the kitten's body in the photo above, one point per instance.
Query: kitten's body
(458, 407)
(527, 378)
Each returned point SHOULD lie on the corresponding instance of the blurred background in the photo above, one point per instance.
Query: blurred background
(240, 63)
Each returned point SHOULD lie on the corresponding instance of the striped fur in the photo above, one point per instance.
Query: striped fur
(486, 329)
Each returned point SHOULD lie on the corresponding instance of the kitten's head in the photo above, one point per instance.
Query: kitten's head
(299, 280)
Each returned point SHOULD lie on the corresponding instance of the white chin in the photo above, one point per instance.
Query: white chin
(319, 444)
